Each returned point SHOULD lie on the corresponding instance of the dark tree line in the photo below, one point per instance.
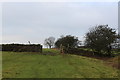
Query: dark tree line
(99, 39)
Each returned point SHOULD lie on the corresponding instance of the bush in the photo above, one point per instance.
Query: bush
(78, 51)
(84, 52)
(22, 47)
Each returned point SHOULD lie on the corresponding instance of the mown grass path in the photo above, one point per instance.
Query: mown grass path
(34, 65)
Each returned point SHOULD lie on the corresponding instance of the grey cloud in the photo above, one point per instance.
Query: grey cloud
(37, 21)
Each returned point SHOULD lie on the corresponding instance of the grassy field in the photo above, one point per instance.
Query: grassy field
(0, 65)
(35, 65)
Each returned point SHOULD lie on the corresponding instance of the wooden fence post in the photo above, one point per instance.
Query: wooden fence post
(61, 49)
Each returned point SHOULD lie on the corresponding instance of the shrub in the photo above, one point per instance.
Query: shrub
(22, 47)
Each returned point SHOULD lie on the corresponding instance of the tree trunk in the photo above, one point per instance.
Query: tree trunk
(50, 47)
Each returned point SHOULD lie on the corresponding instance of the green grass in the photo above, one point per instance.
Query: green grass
(0, 65)
(35, 65)
(45, 50)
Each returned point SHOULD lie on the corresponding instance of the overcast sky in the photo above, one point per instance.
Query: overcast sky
(35, 21)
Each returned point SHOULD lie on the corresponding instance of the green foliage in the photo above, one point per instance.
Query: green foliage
(67, 41)
(31, 65)
(100, 38)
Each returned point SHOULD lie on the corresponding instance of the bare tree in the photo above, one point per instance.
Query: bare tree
(29, 42)
(49, 42)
